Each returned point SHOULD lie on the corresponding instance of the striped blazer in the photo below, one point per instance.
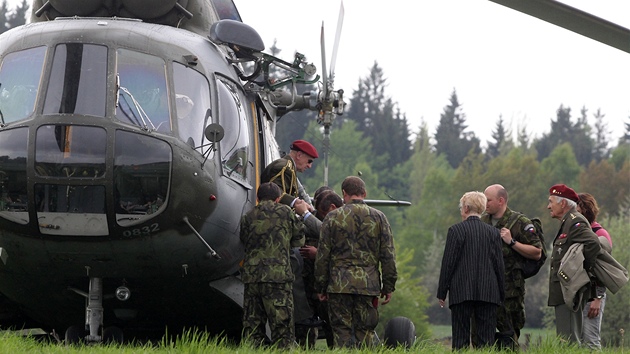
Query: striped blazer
(472, 264)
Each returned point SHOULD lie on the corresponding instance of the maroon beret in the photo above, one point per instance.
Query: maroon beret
(561, 190)
(305, 147)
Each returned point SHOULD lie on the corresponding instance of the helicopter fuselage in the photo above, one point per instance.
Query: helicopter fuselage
(105, 172)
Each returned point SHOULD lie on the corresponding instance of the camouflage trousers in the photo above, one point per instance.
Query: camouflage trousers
(273, 303)
(510, 321)
(353, 319)
(511, 316)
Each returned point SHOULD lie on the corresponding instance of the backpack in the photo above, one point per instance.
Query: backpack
(531, 267)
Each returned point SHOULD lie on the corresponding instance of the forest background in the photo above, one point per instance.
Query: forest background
(432, 169)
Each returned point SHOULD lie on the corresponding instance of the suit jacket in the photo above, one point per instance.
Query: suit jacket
(472, 265)
(574, 228)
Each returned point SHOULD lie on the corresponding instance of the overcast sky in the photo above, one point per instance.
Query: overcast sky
(500, 62)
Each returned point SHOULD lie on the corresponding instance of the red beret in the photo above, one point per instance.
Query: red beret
(561, 190)
(305, 147)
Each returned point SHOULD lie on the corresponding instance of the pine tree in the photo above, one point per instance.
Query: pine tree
(380, 119)
(601, 150)
(451, 138)
(563, 130)
(502, 140)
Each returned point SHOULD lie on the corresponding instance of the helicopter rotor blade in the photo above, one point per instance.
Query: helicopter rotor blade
(324, 71)
(333, 60)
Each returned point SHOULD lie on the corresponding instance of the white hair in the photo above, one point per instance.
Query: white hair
(570, 203)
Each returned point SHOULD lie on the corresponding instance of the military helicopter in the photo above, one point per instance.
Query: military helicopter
(132, 137)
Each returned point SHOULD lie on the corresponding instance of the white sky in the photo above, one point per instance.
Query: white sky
(500, 61)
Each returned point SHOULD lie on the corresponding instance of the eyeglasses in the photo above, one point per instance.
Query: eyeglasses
(303, 153)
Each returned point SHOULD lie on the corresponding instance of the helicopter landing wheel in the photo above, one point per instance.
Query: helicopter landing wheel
(75, 335)
(112, 335)
(400, 331)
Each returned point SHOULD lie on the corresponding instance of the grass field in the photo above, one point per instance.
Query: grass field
(196, 342)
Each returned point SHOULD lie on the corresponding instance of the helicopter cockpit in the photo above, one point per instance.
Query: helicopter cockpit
(70, 104)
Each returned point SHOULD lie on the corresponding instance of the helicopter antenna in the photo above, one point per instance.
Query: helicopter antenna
(330, 102)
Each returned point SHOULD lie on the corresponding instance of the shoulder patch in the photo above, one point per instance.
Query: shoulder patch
(529, 227)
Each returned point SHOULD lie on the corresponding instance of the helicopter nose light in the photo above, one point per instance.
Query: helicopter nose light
(212, 197)
(123, 293)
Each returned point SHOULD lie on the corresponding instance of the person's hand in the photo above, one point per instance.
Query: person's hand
(308, 252)
(596, 305)
(322, 297)
(387, 297)
(300, 206)
(441, 301)
(506, 235)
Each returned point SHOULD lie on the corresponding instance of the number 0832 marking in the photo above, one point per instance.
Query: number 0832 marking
(142, 231)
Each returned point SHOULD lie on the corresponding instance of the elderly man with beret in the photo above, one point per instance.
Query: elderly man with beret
(574, 228)
(283, 171)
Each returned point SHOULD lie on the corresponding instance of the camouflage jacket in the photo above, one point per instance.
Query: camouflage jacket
(524, 232)
(268, 232)
(355, 241)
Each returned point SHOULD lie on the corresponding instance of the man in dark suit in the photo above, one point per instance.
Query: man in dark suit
(472, 273)
(574, 228)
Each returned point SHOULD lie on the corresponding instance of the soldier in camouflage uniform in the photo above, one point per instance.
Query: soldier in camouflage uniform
(519, 241)
(355, 263)
(268, 233)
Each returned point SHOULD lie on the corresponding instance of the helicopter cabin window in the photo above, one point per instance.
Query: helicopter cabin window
(192, 103)
(20, 75)
(142, 169)
(70, 151)
(78, 80)
(235, 144)
(142, 96)
(13, 197)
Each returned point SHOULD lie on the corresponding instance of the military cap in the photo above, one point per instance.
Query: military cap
(305, 147)
(561, 190)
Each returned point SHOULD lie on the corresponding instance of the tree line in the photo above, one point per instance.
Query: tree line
(433, 169)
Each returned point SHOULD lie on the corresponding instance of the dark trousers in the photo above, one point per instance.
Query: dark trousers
(485, 316)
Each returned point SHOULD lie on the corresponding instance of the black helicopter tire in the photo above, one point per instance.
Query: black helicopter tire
(400, 331)
(112, 335)
(75, 335)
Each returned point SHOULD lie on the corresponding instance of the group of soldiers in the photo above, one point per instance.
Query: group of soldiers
(336, 248)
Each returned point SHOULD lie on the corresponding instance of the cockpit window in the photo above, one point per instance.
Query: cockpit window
(20, 75)
(142, 169)
(235, 144)
(13, 196)
(192, 103)
(78, 80)
(70, 151)
(142, 96)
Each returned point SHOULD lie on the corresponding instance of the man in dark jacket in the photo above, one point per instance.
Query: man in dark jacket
(472, 274)
(574, 228)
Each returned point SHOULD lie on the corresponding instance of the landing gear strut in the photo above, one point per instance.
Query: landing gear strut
(93, 328)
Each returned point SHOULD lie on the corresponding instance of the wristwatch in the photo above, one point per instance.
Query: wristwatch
(512, 243)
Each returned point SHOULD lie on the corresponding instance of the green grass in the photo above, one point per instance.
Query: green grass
(196, 342)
